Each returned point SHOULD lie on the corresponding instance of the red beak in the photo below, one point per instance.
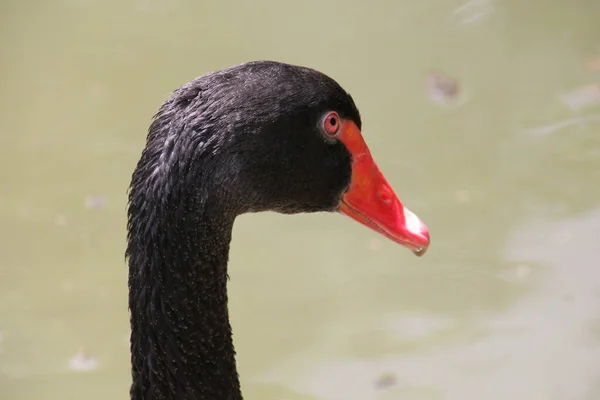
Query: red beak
(371, 201)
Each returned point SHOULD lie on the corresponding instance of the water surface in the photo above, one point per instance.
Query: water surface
(504, 305)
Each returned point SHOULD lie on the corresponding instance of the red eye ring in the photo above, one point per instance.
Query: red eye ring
(331, 123)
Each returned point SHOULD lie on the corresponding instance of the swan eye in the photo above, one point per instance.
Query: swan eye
(331, 123)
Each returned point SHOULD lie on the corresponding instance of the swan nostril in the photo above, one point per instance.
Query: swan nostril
(386, 196)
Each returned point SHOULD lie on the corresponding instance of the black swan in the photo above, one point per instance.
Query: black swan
(260, 136)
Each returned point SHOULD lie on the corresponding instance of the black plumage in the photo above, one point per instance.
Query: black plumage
(244, 139)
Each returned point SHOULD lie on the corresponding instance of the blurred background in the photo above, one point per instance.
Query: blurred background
(484, 115)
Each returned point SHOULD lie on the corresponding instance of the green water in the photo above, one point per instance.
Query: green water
(506, 303)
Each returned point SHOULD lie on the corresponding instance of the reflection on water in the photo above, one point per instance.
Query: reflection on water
(544, 346)
(498, 152)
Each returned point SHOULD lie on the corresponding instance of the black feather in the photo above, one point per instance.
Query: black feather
(244, 139)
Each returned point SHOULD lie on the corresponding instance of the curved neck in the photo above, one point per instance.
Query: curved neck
(181, 342)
